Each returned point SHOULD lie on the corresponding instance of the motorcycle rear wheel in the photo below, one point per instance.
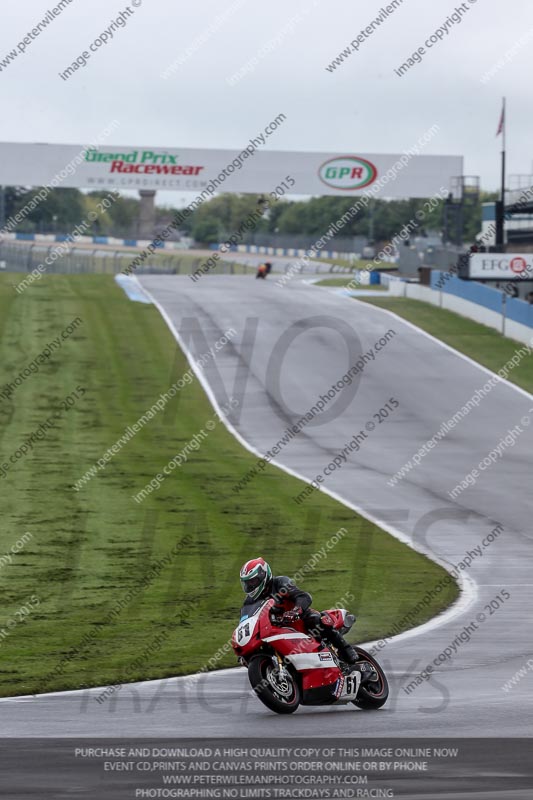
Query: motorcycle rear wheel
(375, 693)
(283, 700)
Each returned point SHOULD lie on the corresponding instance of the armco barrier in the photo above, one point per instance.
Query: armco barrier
(291, 252)
(41, 258)
(39, 238)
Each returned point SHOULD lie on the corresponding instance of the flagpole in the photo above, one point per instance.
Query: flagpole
(504, 150)
(500, 205)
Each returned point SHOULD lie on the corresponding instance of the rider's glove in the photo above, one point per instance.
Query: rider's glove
(293, 615)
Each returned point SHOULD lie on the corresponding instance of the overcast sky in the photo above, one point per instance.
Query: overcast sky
(361, 107)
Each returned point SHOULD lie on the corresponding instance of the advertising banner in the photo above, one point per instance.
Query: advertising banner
(251, 170)
(501, 266)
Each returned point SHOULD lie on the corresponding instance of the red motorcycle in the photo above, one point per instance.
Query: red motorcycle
(287, 667)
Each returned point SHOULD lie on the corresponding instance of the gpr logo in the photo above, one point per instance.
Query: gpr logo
(347, 173)
(518, 265)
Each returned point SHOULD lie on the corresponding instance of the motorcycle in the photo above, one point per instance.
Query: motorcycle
(287, 667)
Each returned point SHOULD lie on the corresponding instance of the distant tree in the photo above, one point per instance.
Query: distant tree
(218, 218)
(206, 231)
(62, 210)
(14, 199)
(120, 219)
(222, 216)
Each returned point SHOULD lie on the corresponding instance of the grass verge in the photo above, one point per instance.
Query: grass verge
(376, 287)
(479, 342)
(103, 615)
(181, 263)
(111, 260)
(354, 264)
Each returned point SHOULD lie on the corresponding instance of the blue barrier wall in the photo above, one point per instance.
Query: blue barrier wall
(468, 290)
(475, 293)
(520, 311)
(440, 279)
(516, 310)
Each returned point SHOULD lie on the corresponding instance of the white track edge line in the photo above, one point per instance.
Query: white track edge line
(94, 689)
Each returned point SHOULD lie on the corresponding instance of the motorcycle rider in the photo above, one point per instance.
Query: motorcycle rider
(291, 603)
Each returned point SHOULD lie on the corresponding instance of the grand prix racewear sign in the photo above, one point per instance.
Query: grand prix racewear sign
(143, 162)
(251, 169)
(501, 266)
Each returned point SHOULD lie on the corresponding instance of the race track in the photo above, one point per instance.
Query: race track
(465, 697)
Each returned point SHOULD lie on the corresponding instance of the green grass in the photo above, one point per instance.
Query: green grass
(190, 263)
(477, 341)
(358, 263)
(377, 287)
(91, 550)
(182, 263)
(113, 261)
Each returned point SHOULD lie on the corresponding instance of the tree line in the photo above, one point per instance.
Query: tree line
(217, 218)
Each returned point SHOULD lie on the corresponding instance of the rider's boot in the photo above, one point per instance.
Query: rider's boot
(345, 650)
(347, 653)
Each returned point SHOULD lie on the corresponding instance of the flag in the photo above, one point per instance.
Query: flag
(502, 121)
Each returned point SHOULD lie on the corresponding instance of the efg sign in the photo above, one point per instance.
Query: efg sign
(500, 266)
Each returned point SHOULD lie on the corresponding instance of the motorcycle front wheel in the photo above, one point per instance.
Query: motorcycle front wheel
(373, 694)
(279, 694)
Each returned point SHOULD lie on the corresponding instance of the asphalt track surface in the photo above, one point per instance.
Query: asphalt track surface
(465, 695)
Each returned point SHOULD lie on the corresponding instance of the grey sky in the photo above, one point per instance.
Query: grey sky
(362, 106)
